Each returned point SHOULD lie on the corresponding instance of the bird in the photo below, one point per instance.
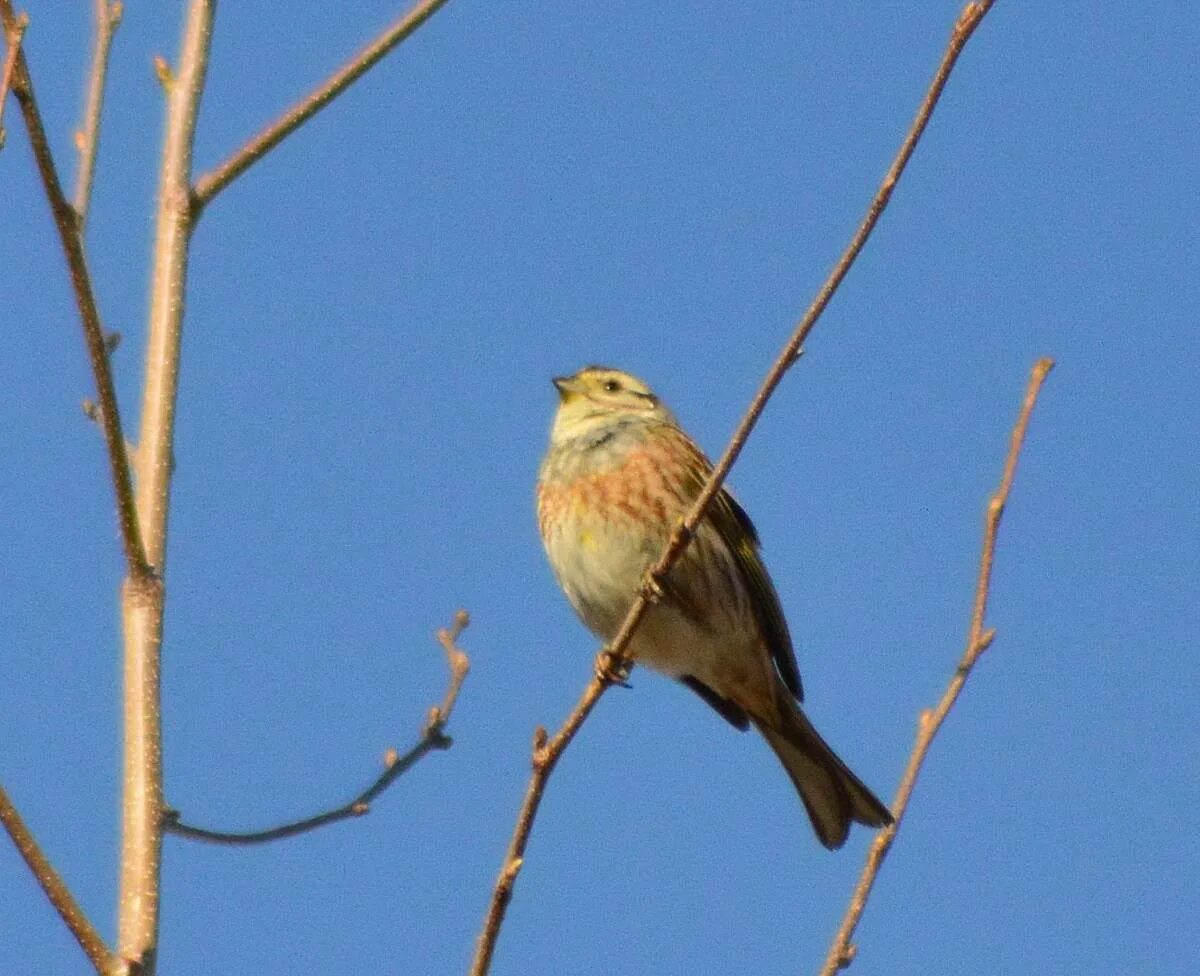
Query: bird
(617, 478)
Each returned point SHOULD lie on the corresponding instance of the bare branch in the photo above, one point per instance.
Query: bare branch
(841, 952)
(612, 665)
(142, 600)
(12, 47)
(432, 737)
(55, 888)
(545, 757)
(213, 182)
(87, 139)
(93, 331)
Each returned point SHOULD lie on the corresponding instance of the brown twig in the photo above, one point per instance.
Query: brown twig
(546, 754)
(56, 890)
(93, 331)
(12, 47)
(87, 139)
(612, 664)
(842, 951)
(433, 737)
(214, 181)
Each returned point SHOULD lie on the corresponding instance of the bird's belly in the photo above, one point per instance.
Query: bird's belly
(600, 568)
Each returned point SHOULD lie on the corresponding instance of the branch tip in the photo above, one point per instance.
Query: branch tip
(395, 765)
(162, 72)
(931, 720)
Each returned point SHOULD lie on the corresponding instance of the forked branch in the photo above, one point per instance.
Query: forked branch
(13, 35)
(612, 663)
(842, 951)
(66, 221)
(87, 139)
(433, 736)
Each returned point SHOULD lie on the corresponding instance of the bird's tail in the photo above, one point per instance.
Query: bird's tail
(832, 794)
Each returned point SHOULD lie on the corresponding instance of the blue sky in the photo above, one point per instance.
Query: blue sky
(373, 316)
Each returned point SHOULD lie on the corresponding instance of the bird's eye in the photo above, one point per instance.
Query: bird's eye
(611, 386)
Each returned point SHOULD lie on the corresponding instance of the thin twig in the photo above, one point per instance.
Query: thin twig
(93, 332)
(214, 181)
(842, 951)
(545, 757)
(56, 890)
(87, 139)
(12, 41)
(433, 737)
(612, 663)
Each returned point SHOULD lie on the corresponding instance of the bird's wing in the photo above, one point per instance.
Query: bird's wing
(739, 534)
(736, 530)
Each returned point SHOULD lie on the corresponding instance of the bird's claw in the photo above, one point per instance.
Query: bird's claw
(652, 589)
(613, 670)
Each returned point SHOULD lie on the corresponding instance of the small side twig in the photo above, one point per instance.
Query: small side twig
(87, 139)
(842, 951)
(612, 662)
(214, 181)
(56, 890)
(433, 736)
(12, 47)
(85, 297)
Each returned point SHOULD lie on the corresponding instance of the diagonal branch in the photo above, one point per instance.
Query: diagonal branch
(612, 664)
(87, 139)
(93, 333)
(841, 953)
(55, 888)
(433, 736)
(214, 181)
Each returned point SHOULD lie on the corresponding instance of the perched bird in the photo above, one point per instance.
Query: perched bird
(619, 475)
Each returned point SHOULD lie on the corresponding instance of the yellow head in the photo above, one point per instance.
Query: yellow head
(596, 396)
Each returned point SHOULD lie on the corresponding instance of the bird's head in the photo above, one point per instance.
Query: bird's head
(598, 395)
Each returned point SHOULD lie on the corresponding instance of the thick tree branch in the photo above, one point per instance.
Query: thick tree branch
(56, 890)
(433, 736)
(841, 952)
(612, 664)
(87, 139)
(93, 331)
(213, 182)
(142, 600)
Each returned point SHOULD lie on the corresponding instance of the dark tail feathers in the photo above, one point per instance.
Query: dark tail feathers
(832, 795)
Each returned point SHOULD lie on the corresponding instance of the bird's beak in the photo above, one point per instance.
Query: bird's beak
(567, 386)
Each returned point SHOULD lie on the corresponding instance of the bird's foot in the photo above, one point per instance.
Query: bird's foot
(613, 670)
